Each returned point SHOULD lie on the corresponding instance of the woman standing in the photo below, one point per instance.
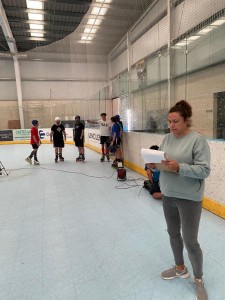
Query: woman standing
(182, 187)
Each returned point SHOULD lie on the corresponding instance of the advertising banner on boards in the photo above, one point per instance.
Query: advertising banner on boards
(6, 135)
(44, 133)
(21, 134)
(92, 137)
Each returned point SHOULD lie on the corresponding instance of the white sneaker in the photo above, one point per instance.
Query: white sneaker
(29, 160)
(36, 162)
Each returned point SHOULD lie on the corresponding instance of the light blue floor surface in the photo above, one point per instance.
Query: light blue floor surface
(71, 231)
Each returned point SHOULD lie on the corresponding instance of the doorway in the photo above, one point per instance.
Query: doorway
(219, 116)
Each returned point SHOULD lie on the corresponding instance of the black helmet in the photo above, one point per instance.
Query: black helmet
(34, 122)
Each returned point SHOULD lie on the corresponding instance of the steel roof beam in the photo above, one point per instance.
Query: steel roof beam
(25, 39)
(9, 9)
(47, 23)
(7, 30)
(74, 2)
(59, 32)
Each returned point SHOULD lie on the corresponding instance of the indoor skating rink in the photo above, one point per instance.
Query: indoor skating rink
(71, 231)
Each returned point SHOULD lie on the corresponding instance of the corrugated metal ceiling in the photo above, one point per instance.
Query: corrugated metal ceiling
(68, 18)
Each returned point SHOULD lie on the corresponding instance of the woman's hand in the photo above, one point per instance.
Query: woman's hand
(172, 165)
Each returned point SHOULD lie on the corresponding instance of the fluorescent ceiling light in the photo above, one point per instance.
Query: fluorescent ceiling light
(104, 1)
(85, 42)
(193, 38)
(38, 17)
(86, 38)
(90, 30)
(34, 4)
(176, 47)
(205, 30)
(36, 34)
(103, 11)
(99, 11)
(36, 26)
(218, 22)
(94, 22)
(182, 43)
(95, 10)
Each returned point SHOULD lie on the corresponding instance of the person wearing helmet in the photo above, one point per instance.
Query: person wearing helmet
(35, 143)
(58, 136)
(118, 120)
(120, 123)
(79, 138)
(116, 140)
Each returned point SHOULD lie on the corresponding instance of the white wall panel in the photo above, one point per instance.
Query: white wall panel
(157, 69)
(163, 32)
(119, 48)
(190, 13)
(84, 80)
(7, 69)
(8, 90)
(34, 90)
(145, 45)
(209, 51)
(151, 41)
(149, 18)
(54, 70)
(119, 64)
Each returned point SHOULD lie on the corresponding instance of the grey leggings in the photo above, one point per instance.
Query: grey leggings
(181, 214)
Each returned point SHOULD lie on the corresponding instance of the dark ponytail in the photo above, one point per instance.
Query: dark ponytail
(183, 108)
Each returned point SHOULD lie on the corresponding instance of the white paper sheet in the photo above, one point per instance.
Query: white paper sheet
(152, 156)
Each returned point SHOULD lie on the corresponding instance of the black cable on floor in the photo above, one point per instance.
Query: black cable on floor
(63, 171)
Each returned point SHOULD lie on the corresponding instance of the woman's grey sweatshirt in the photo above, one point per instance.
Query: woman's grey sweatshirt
(192, 153)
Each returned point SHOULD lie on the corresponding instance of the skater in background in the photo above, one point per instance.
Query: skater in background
(152, 185)
(105, 133)
(79, 138)
(116, 140)
(35, 143)
(118, 120)
(58, 136)
(120, 123)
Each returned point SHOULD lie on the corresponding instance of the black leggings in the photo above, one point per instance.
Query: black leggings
(34, 152)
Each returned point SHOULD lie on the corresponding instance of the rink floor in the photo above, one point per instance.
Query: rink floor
(71, 231)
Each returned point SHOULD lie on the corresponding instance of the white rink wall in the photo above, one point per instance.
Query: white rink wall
(134, 141)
